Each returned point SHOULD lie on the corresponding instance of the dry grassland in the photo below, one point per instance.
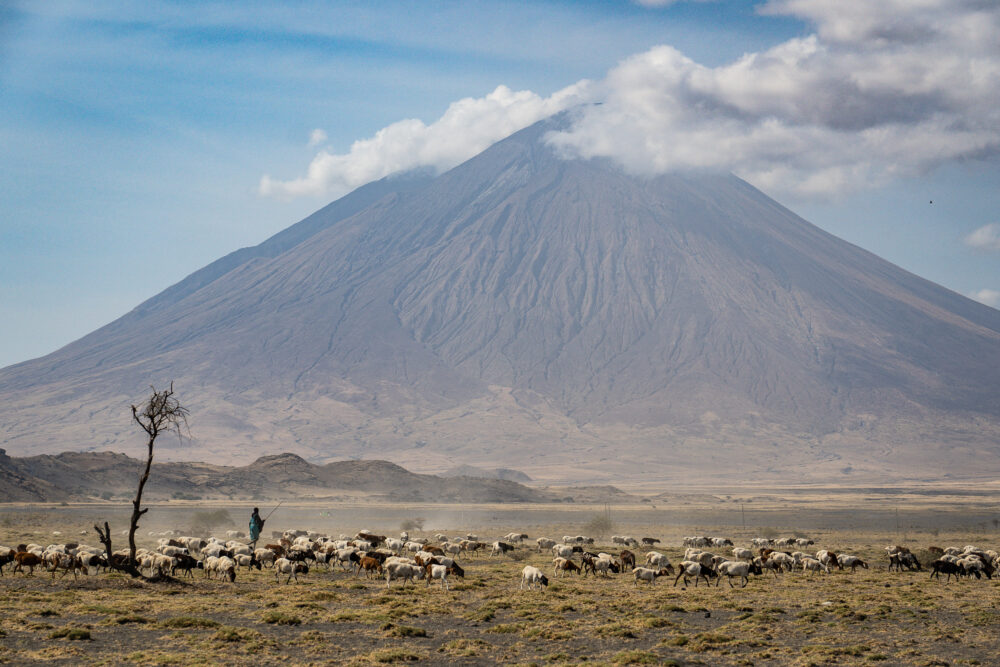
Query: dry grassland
(868, 617)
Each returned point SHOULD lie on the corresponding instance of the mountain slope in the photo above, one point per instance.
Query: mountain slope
(556, 316)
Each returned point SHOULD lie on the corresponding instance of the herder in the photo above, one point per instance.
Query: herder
(256, 524)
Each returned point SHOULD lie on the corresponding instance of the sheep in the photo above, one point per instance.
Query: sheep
(782, 559)
(563, 551)
(649, 541)
(828, 558)
(500, 548)
(531, 576)
(249, 562)
(742, 554)
(437, 572)
(803, 542)
(289, 567)
(808, 563)
(947, 567)
(186, 563)
(974, 565)
(563, 565)
(689, 568)
(648, 575)
(225, 567)
(627, 558)
(395, 546)
(761, 542)
(902, 559)
(370, 566)
(732, 568)
(853, 562)
(265, 557)
(602, 565)
(402, 571)
(656, 559)
(544, 543)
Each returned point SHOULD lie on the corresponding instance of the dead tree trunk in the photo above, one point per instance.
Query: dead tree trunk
(162, 412)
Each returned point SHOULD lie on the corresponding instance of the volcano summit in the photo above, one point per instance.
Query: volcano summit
(560, 317)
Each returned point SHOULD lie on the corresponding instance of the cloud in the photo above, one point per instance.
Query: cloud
(986, 237)
(990, 297)
(879, 91)
(317, 137)
(469, 126)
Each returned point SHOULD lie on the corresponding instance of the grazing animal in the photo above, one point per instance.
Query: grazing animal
(437, 572)
(501, 548)
(627, 558)
(26, 559)
(649, 541)
(733, 568)
(532, 576)
(853, 562)
(563, 565)
(648, 575)
(290, 567)
(946, 567)
(402, 571)
(814, 565)
(690, 568)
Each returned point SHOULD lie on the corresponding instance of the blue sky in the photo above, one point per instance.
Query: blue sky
(136, 137)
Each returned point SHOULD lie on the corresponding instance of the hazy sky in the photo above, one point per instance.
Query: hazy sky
(141, 141)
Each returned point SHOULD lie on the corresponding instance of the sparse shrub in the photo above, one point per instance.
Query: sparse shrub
(189, 622)
(72, 634)
(635, 658)
(280, 618)
(404, 631)
(124, 620)
(395, 655)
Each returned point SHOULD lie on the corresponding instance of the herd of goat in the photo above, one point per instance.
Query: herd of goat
(405, 559)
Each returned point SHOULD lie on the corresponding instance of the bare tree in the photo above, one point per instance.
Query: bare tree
(162, 412)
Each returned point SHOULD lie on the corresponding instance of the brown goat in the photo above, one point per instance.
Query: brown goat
(26, 559)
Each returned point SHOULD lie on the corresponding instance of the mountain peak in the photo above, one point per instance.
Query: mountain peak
(556, 316)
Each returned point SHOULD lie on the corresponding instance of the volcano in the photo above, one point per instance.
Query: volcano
(557, 316)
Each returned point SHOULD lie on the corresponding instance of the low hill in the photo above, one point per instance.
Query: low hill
(82, 476)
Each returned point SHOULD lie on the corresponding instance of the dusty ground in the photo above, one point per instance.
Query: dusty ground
(867, 617)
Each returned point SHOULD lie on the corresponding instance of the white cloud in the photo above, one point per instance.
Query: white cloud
(468, 127)
(986, 237)
(317, 137)
(881, 90)
(990, 297)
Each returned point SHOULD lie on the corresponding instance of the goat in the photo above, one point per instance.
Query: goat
(563, 565)
(649, 541)
(694, 569)
(648, 575)
(290, 567)
(437, 572)
(947, 567)
(732, 568)
(814, 565)
(26, 559)
(402, 571)
(627, 558)
(532, 575)
(501, 548)
(853, 562)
